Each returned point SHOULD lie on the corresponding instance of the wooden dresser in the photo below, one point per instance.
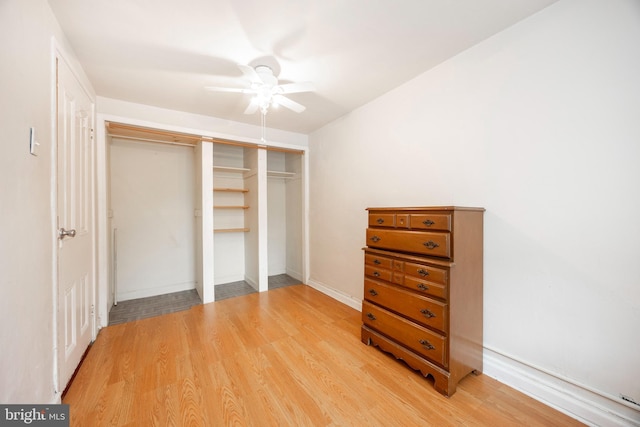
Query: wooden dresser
(423, 289)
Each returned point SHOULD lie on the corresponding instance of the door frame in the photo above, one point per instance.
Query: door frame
(58, 53)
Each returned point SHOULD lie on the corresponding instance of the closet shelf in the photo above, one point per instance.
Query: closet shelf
(230, 230)
(229, 169)
(280, 174)
(231, 190)
(230, 207)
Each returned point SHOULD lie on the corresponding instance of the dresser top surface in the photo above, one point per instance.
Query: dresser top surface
(427, 208)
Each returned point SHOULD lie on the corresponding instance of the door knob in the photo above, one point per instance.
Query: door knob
(62, 233)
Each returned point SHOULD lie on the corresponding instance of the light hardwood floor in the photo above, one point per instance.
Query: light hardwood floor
(287, 357)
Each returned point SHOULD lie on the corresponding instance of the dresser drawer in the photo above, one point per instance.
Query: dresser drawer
(426, 272)
(378, 261)
(402, 221)
(440, 222)
(413, 336)
(389, 220)
(425, 287)
(378, 273)
(423, 310)
(420, 242)
(382, 220)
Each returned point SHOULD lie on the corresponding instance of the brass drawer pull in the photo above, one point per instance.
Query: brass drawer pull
(430, 244)
(377, 262)
(373, 292)
(423, 287)
(376, 273)
(426, 344)
(371, 316)
(380, 221)
(428, 222)
(377, 239)
(428, 314)
(423, 272)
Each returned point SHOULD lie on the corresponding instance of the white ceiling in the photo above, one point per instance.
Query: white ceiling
(163, 52)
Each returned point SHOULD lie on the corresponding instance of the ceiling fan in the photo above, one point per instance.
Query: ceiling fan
(266, 90)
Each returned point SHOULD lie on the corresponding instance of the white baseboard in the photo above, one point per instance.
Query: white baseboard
(578, 402)
(223, 280)
(294, 273)
(349, 300)
(151, 291)
(252, 283)
(57, 398)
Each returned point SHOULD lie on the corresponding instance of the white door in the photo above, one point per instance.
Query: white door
(75, 222)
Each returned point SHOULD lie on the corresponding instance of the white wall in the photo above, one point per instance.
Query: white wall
(295, 216)
(277, 226)
(153, 199)
(276, 215)
(540, 125)
(27, 361)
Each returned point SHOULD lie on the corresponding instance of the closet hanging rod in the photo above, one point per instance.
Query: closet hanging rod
(137, 139)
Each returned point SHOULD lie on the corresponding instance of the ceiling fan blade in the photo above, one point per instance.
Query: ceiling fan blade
(250, 73)
(252, 108)
(229, 89)
(297, 87)
(288, 103)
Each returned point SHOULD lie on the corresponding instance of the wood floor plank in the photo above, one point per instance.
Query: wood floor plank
(288, 357)
(294, 400)
(315, 375)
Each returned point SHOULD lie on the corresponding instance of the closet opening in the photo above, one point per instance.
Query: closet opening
(212, 217)
(151, 189)
(236, 228)
(258, 219)
(285, 214)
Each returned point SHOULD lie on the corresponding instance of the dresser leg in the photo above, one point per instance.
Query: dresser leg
(444, 385)
(365, 336)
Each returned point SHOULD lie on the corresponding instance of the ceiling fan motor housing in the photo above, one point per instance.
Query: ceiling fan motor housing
(266, 75)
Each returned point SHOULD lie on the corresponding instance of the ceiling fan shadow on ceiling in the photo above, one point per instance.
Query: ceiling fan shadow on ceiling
(266, 91)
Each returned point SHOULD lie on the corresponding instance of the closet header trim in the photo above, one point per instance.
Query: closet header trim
(145, 134)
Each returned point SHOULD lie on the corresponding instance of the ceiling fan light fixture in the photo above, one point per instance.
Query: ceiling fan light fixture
(275, 101)
(263, 84)
(262, 100)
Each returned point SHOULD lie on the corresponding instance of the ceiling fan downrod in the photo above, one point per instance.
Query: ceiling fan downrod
(263, 125)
